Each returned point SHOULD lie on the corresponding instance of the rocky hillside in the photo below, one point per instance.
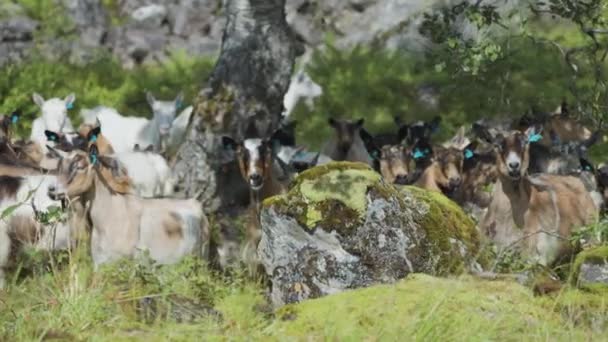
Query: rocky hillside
(139, 31)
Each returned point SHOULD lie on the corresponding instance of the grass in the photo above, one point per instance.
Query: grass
(72, 302)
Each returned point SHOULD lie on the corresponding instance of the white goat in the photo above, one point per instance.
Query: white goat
(54, 118)
(300, 87)
(29, 195)
(126, 132)
(149, 171)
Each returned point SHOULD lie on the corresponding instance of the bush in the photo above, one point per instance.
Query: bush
(378, 84)
(103, 82)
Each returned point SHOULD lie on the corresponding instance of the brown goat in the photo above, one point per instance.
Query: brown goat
(258, 168)
(444, 174)
(395, 164)
(124, 224)
(537, 213)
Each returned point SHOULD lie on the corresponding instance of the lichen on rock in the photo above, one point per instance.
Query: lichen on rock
(590, 269)
(341, 226)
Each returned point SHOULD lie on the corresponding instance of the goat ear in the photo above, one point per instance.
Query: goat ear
(51, 136)
(469, 150)
(564, 110)
(229, 143)
(482, 132)
(69, 101)
(533, 134)
(433, 125)
(498, 141)
(15, 117)
(332, 122)
(150, 98)
(586, 165)
(94, 155)
(368, 141)
(403, 133)
(359, 123)
(54, 153)
(179, 100)
(38, 99)
(94, 134)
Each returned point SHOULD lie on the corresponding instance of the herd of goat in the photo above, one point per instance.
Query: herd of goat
(527, 181)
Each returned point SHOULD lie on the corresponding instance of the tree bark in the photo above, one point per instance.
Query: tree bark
(247, 86)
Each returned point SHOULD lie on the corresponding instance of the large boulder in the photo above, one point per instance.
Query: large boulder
(590, 270)
(341, 227)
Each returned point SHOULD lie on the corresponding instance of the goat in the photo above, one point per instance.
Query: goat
(6, 122)
(300, 87)
(124, 224)
(295, 157)
(458, 141)
(417, 131)
(346, 144)
(126, 132)
(54, 118)
(28, 196)
(444, 174)
(258, 168)
(394, 164)
(392, 161)
(537, 211)
(149, 171)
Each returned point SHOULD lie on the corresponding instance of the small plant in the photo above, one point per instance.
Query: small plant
(595, 234)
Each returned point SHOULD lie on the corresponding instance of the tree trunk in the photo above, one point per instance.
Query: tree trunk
(247, 85)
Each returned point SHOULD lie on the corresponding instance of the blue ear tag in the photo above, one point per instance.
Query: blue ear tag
(374, 155)
(417, 154)
(468, 154)
(14, 119)
(93, 138)
(178, 104)
(587, 168)
(93, 158)
(51, 138)
(69, 105)
(535, 137)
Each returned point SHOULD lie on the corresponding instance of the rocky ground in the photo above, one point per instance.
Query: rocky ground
(139, 31)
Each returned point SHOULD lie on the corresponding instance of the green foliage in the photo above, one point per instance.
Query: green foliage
(595, 234)
(54, 22)
(103, 82)
(503, 73)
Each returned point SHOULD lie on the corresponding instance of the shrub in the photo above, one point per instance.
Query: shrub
(103, 82)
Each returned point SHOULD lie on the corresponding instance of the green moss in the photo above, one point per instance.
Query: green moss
(597, 255)
(445, 221)
(331, 196)
(422, 307)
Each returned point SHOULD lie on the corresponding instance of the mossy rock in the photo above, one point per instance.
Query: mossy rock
(331, 196)
(341, 226)
(444, 221)
(590, 270)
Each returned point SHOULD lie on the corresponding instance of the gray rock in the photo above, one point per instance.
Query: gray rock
(150, 16)
(340, 227)
(18, 29)
(591, 268)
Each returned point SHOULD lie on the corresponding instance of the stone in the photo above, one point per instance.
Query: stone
(590, 270)
(341, 227)
(151, 16)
